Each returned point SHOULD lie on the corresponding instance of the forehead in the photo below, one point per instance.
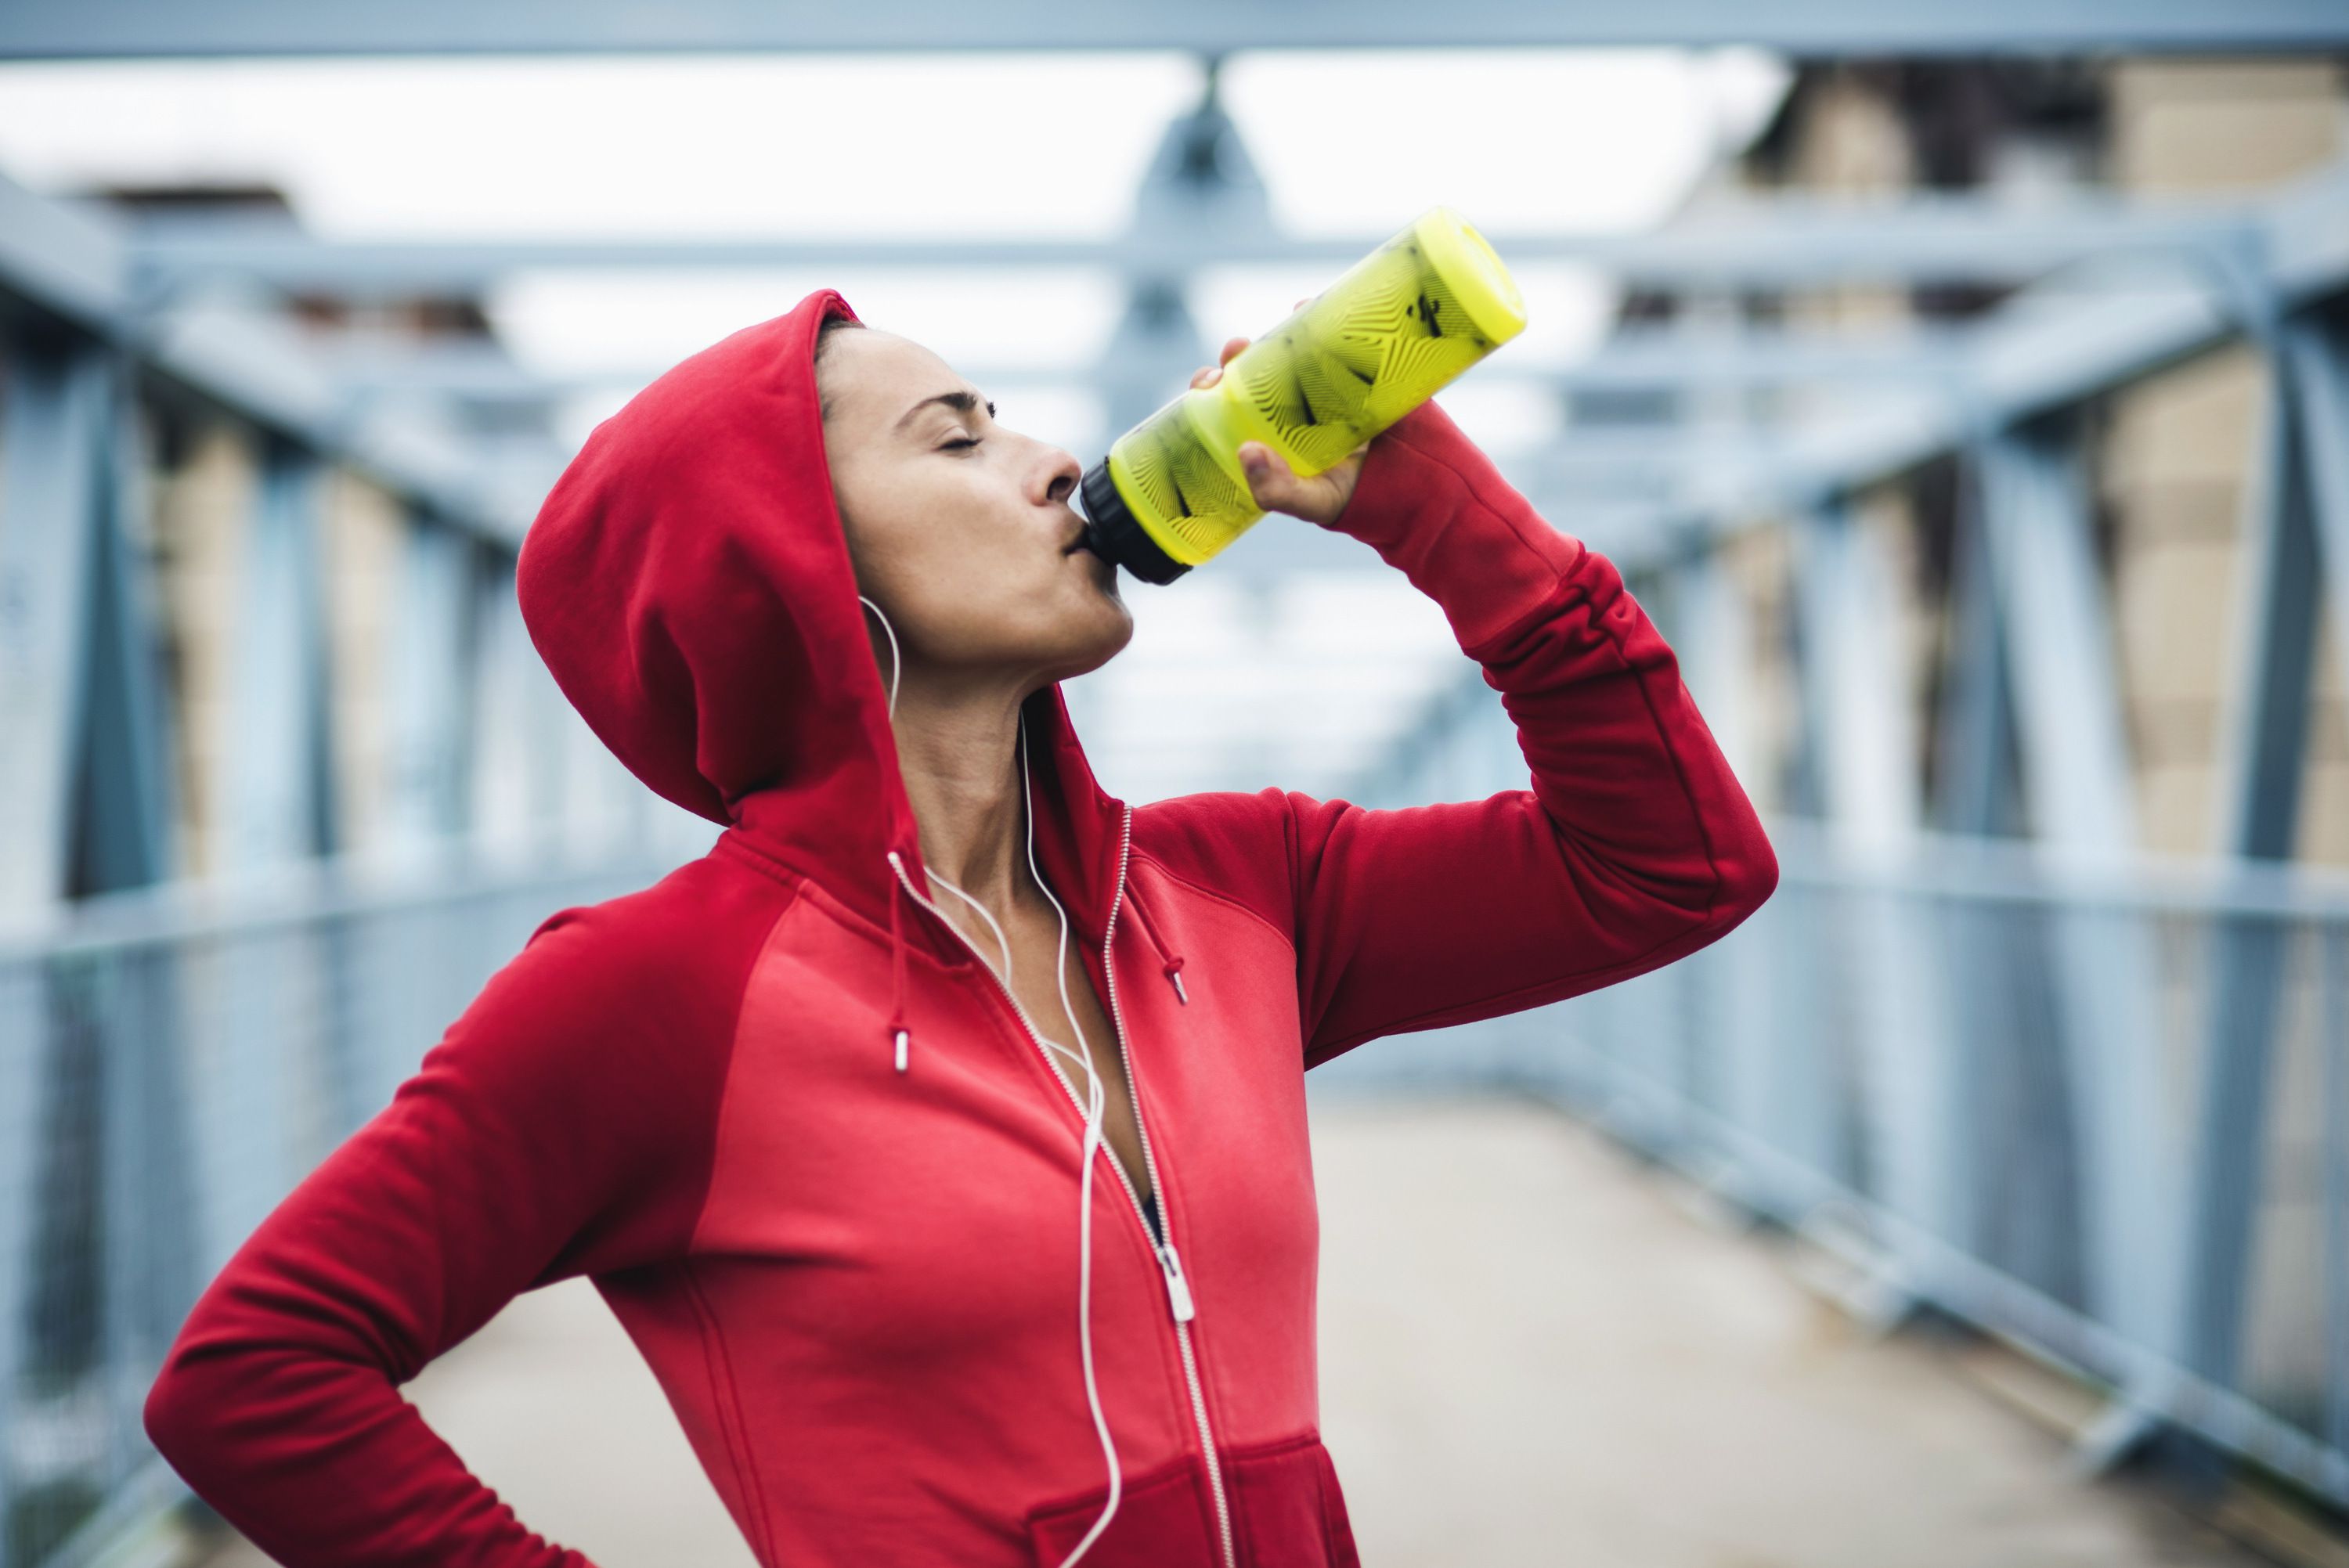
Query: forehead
(879, 374)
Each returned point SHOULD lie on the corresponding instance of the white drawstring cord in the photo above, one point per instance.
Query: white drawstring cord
(1095, 1100)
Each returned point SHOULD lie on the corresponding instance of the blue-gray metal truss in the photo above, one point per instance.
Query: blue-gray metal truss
(2057, 628)
(275, 768)
(85, 779)
(2032, 746)
(1860, 763)
(49, 29)
(2297, 532)
(1788, 242)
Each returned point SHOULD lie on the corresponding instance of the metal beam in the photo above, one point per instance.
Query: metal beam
(1864, 762)
(2262, 752)
(274, 790)
(484, 373)
(2056, 622)
(100, 29)
(52, 443)
(62, 264)
(1974, 746)
(1785, 243)
(429, 649)
(2316, 355)
(2039, 353)
(128, 797)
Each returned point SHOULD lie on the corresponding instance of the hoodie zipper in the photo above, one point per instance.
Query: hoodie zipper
(1180, 1304)
(1178, 1292)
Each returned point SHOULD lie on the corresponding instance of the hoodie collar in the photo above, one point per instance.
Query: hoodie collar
(686, 581)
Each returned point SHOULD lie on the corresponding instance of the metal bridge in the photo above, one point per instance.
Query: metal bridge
(2015, 1063)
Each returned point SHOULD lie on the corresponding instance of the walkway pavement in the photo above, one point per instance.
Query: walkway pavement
(1532, 1355)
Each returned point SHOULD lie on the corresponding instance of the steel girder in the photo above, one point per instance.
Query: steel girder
(65, 269)
(80, 693)
(1789, 242)
(2297, 566)
(49, 29)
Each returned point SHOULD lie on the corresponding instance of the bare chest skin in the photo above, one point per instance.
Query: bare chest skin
(1034, 934)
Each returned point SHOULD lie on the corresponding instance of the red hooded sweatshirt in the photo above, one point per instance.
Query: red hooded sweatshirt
(856, 1282)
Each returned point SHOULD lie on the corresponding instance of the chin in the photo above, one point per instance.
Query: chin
(1096, 637)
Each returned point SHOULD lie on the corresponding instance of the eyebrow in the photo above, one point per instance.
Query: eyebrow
(968, 402)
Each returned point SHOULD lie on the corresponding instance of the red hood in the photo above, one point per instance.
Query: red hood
(688, 582)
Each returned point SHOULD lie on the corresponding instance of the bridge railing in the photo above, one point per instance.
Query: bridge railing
(173, 1062)
(2101, 1113)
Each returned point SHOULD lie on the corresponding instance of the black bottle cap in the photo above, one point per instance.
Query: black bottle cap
(1112, 533)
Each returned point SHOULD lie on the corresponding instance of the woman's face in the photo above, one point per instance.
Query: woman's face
(960, 528)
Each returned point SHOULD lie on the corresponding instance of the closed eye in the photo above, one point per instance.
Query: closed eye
(965, 442)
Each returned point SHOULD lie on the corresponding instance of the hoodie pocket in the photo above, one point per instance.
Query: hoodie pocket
(1165, 1518)
(1286, 1512)
(1286, 1505)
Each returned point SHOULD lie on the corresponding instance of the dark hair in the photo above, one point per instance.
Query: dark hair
(822, 337)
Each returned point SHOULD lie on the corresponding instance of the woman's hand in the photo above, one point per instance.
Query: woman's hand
(1317, 497)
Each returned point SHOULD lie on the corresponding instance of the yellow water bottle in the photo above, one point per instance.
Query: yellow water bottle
(1392, 331)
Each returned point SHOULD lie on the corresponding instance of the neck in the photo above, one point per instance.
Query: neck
(957, 752)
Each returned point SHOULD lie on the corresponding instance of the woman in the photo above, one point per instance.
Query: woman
(814, 1132)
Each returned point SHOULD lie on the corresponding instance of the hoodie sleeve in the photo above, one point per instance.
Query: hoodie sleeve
(564, 1125)
(1634, 846)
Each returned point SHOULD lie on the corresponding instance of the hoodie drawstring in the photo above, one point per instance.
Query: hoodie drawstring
(1171, 965)
(901, 1038)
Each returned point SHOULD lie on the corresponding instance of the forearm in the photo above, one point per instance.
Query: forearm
(1620, 756)
(321, 1462)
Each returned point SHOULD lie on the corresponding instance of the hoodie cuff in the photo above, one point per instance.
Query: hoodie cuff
(1433, 505)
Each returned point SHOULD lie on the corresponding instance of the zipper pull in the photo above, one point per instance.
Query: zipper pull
(1178, 1292)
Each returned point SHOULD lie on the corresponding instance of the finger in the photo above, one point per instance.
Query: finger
(1271, 478)
(1232, 345)
(1206, 375)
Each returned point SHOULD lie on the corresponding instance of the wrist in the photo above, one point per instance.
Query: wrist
(1433, 506)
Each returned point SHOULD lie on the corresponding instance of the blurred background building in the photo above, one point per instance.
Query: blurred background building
(1967, 396)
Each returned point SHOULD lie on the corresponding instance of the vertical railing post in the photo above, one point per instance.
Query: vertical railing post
(2334, 1041)
(428, 637)
(261, 1112)
(275, 787)
(2264, 743)
(2057, 623)
(50, 494)
(1866, 764)
(51, 491)
(1713, 638)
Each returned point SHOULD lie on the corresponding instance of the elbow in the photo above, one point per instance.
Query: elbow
(172, 1416)
(165, 1416)
(184, 1412)
(1749, 875)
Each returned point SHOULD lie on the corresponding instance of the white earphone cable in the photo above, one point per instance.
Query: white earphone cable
(1095, 1101)
(896, 664)
(1094, 1112)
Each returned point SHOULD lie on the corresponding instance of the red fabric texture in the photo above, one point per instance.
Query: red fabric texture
(858, 1285)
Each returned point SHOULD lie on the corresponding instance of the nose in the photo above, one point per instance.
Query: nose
(1062, 473)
